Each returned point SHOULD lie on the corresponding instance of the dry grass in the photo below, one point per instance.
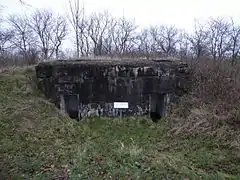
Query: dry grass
(213, 103)
(8, 61)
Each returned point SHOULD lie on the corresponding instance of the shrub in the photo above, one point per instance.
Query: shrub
(213, 102)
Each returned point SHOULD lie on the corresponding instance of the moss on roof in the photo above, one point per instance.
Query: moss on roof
(110, 62)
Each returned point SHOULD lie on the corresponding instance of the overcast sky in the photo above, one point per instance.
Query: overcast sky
(180, 13)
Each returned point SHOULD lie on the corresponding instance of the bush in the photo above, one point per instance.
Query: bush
(213, 102)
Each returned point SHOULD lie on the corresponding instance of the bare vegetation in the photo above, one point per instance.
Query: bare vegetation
(213, 103)
(44, 34)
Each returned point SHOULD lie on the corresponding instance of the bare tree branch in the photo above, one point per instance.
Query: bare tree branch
(59, 34)
(198, 40)
(235, 40)
(51, 32)
(218, 36)
(166, 39)
(23, 38)
(98, 24)
(76, 18)
(5, 37)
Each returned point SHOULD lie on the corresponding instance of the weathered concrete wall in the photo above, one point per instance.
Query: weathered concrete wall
(84, 88)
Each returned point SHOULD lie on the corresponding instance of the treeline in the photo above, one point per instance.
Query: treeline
(42, 35)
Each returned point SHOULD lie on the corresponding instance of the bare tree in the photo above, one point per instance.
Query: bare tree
(77, 21)
(51, 32)
(145, 43)
(24, 3)
(184, 45)
(1, 17)
(101, 34)
(235, 40)
(23, 38)
(5, 37)
(123, 35)
(166, 39)
(42, 23)
(59, 34)
(84, 38)
(198, 40)
(98, 25)
(154, 35)
(218, 36)
(108, 42)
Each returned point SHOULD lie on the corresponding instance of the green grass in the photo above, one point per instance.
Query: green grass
(37, 142)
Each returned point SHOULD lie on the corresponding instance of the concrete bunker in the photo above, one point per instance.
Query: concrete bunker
(84, 88)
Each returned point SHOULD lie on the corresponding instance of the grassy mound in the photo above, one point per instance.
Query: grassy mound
(37, 142)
